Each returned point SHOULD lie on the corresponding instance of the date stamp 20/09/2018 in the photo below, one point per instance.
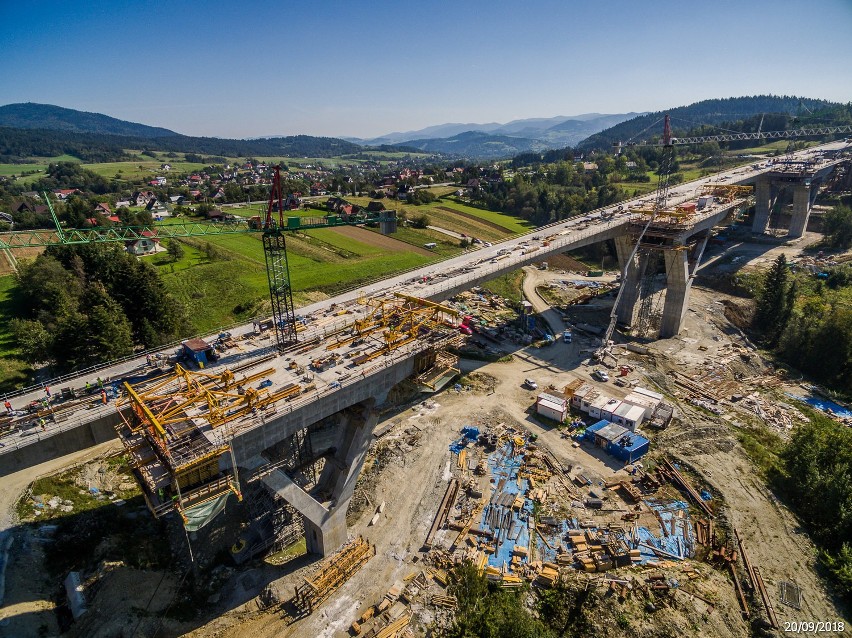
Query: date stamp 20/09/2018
(836, 627)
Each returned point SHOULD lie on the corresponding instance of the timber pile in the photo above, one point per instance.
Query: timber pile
(443, 511)
(336, 571)
(757, 582)
(678, 477)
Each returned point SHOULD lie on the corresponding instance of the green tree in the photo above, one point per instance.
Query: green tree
(774, 304)
(110, 336)
(421, 221)
(484, 612)
(838, 227)
(33, 339)
(175, 250)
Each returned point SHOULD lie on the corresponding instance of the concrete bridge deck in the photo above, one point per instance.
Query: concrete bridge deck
(93, 423)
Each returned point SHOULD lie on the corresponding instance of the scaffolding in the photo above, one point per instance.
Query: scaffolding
(169, 434)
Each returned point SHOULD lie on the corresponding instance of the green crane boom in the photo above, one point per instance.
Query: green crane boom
(271, 229)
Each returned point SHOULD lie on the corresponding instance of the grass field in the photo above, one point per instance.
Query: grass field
(14, 373)
(449, 214)
(233, 286)
(140, 169)
(509, 222)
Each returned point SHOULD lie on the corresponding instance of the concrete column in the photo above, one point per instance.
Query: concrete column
(631, 280)
(802, 200)
(325, 522)
(764, 195)
(678, 283)
(623, 248)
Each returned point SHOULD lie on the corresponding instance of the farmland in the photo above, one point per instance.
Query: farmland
(228, 283)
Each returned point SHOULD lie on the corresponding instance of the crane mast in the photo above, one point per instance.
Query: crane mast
(277, 268)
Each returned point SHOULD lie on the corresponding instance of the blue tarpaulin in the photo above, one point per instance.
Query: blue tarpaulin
(677, 538)
(824, 404)
(468, 433)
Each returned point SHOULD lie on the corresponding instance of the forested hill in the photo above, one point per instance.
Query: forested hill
(56, 118)
(16, 145)
(476, 144)
(706, 112)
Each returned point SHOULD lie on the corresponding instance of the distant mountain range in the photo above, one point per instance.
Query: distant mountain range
(520, 135)
(43, 130)
(30, 115)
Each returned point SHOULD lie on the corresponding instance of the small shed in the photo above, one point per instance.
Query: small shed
(618, 441)
(587, 399)
(648, 404)
(551, 406)
(198, 350)
(608, 411)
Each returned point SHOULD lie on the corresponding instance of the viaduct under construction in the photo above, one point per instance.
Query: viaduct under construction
(292, 423)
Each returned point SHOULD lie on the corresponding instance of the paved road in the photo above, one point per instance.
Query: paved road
(461, 266)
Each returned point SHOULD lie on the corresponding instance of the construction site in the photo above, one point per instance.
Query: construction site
(332, 473)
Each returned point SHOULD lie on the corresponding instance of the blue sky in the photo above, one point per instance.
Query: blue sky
(251, 68)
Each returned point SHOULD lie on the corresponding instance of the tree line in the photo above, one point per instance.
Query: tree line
(81, 305)
(17, 145)
(807, 321)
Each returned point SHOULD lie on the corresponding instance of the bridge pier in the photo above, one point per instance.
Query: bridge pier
(324, 509)
(631, 280)
(678, 283)
(803, 198)
(766, 193)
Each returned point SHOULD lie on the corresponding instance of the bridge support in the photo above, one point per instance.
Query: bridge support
(765, 195)
(324, 509)
(631, 280)
(678, 283)
(803, 198)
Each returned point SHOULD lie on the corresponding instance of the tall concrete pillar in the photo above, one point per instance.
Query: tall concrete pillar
(631, 281)
(803, 196)
(623, 248)
(764, 195)
(325, 519)
(678, 283)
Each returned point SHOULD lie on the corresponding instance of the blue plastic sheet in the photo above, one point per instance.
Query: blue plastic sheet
(675, 517)
(824, 404)
(468, 433)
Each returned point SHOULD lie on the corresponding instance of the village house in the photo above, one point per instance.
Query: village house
(146, 245)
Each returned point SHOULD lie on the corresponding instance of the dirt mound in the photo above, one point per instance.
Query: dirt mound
(480, 382)
(566, 262)
(739, 312)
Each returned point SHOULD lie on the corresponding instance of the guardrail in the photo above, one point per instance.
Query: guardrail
(360, 285)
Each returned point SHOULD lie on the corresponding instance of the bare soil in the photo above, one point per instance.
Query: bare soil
(382, 241)
(410, 465)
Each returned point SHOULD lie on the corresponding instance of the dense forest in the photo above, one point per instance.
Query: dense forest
(727, 111)
(91, 303)
(56, 118)
(807, 321)
(17, 145)
(816, 477)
